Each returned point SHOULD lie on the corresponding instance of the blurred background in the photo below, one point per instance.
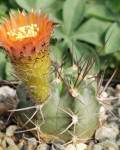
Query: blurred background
(85, 25)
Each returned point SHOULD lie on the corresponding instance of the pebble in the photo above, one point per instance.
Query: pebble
(107, 144)
(70, 147)
(3, 140)
(7, 91)
(115, 127)
(2, 135)
(102, 116)
(32, 142)
(1, 148)
(118, 142)
(106, 132)
(97, 147)
(81, 146)
(117, 93)
(20, 144)
(119, 111)
(11, 130)
(7, 143)
(117, 90)
(61, 142)
(10, 141)
(3, 143)
(12, 147)
(57, 145)
(43, 147)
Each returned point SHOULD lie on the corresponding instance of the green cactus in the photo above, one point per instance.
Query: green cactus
(56, 102)
(71, 112)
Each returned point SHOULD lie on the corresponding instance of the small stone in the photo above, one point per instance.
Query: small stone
(7, 91)
(119, 111)
(20, 144)
(2, 135)
(1, 148)
(3, 143)
(81, 146)
(32, 142)
(97, 147)
(117, 92)
(105, 132)
(102, 116)
(70, 147)
(58, 142)
(118, 102)
(109, 144)
(43, 147)
(90, 146)
(114, 127)
(12, 147)
(110, 148)
(10, 141)
(11, 130)
(57, 145)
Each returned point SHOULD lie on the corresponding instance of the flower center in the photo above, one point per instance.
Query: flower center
(23, 32)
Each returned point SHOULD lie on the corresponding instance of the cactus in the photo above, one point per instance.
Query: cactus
(54, 102)
(68, 113)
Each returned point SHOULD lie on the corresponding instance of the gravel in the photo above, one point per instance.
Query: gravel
(11, 130)
(109, 131)
(43, 147)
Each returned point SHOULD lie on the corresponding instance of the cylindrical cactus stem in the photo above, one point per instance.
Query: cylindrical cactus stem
(26, 39)
(34, 72)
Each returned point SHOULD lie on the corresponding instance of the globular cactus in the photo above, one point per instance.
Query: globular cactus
(56, 102)
(70, 113)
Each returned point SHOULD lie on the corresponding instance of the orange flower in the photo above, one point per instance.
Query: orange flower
(25, 33)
